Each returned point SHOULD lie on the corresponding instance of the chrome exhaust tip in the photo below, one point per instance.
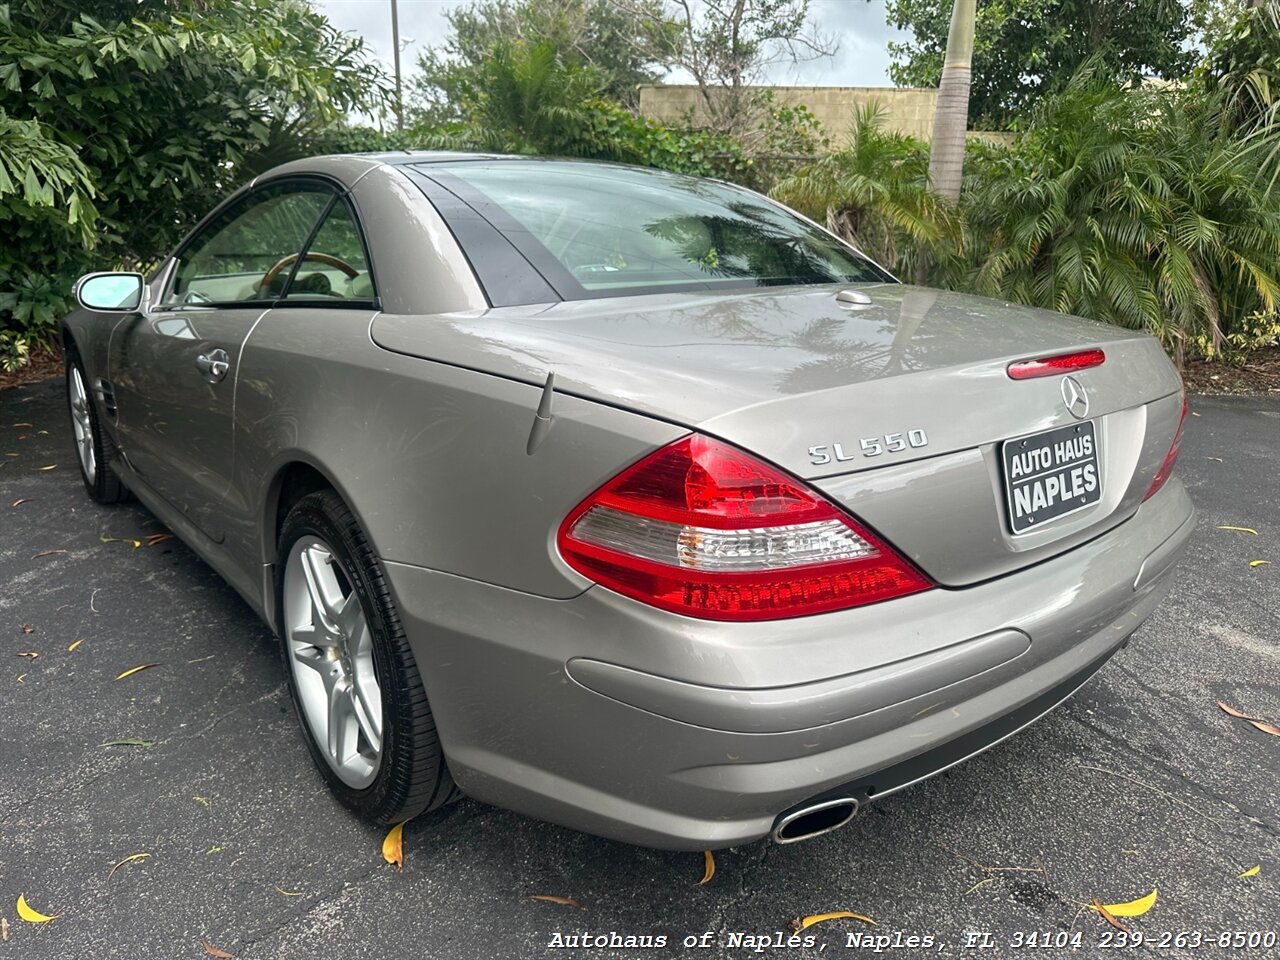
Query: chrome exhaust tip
(805, 823)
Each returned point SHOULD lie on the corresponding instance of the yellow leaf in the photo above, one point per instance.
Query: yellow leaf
(74, 645)
(32, 916)
(393, 846)
(710, 870)
(105, 539)
(129, 859)
(797, 925)
(1251, 872)
(29, 654)
(563, 901)
(1134, 908)
(1238, 529)
(132, 670)
(1258, 563)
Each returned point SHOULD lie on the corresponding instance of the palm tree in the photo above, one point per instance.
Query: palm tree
(875, 193)
(951, 116)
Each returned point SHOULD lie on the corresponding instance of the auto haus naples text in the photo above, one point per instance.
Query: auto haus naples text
(1046, 476)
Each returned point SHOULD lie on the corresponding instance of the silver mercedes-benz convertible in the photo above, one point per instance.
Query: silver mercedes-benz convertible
(628, 500)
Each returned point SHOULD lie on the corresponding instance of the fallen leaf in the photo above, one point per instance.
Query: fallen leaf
(979, 884)
(52, 466)
(45, 553)
(1262, 725)
(1258, 563)
(22, 678)
(710, 870)
(18, 503)
(129, 859)
(1108, 916)
(132, 670)
(562, 901)
(1133, 908)
(1238, 529)
(29, 654)
(127, 742)
(24, 424)
(1194, 414)
(158, 538)
(203, 800)
(213, 951)
(74, 645)
(28, 628)
(289, 893)
(1214, 459)
(32, 916)
(105, 539)
(4, 929)
(393, 846)
(1251, 872)
(798, 924)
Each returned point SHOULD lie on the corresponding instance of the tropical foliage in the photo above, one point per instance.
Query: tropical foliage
(120, 122)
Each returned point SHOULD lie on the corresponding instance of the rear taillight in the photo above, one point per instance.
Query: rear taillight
(704, 529)
(1062, 363)
(1170, 458)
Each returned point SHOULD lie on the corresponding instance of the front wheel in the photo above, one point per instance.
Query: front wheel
(352, 676)
(94, 449)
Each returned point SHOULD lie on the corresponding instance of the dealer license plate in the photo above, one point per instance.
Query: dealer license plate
(1051, 474)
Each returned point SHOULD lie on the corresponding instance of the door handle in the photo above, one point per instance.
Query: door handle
(214, 365)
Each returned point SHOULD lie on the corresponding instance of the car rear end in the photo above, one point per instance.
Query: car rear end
(776, 553)
(763, 652)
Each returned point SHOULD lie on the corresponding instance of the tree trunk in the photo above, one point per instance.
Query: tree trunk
(946, 152)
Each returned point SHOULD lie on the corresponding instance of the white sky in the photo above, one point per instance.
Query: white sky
(858, 25)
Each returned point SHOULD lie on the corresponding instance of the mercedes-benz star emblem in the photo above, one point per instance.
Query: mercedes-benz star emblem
(1075, 398)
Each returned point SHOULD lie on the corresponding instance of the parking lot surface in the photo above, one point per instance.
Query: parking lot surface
(1139, 782)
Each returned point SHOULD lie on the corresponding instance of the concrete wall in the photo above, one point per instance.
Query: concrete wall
(906, 109)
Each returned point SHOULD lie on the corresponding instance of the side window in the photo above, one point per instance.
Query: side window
(248, 251)
(334, 265)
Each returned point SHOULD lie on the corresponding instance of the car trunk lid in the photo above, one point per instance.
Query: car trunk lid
(897, 407)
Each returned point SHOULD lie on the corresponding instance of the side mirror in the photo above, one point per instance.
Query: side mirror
(111, 292)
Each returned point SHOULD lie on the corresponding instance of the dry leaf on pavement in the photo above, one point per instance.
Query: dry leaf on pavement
(129, 859)
(1238, 529)
(562, 901)
(213, 951)
(1262, 725)
(1108, 916)
(1251, 872)
(710, 868)
(32, 916)
(798, 924)
(1131, 908)
(393, 846)
(132, 670)
(1258, 563)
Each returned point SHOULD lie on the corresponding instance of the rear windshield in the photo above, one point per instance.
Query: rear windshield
(596, 230)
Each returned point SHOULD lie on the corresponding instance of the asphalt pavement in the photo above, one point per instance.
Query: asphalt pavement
(1138, 783)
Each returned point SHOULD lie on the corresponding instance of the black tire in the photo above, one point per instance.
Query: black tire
(412, 775)
(103, 486)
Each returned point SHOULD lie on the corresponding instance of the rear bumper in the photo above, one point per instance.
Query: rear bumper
(611, 717)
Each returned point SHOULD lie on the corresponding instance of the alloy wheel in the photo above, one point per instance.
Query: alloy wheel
(330, 651)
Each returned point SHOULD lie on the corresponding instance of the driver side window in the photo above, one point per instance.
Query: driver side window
(334, 265)
(247, 252)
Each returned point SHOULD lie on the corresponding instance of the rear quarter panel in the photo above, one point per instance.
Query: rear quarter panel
(430, 457)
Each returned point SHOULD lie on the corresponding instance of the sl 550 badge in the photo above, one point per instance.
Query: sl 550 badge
(871, 447)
